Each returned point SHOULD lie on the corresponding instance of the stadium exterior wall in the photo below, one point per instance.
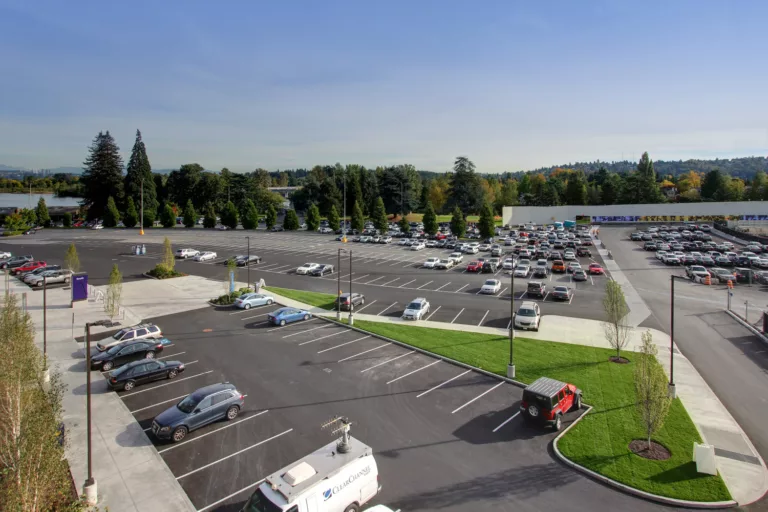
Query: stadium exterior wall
(663, 212)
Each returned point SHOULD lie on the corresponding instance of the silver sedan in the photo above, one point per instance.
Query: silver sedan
(249, 300)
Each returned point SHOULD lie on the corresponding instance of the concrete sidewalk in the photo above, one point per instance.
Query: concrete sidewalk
(739, 463)
(130, 474)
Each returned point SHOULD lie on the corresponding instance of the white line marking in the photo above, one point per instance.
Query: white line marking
(446, 284)
(457, 316)
(432, 313)
(222, 500)
(362, 308)
(355, 279)
(380, 277)
(443, 384)
(308, 330)
(477, 397)
(414, 371)
(232, 455)
(572, 294)
(507, 421)
(171, 355)
(212, 431)
(343, 344)
(457, 291)
(485, 315)
(323, 337)
(387, 361)
(255, 316)
(361, 353)
(425, 284)
(509, 324)
(383, 310)
(501, 293)
(167, 383)
(409, 282)
(155, 405)
(392, 281)
(238, 312)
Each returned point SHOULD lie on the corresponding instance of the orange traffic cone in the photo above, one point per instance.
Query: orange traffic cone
(708, 280)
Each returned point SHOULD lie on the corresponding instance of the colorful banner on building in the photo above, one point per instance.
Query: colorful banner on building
(674, 218)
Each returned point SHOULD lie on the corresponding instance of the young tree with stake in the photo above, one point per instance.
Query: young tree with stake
(113, 298)
(616, 328)
(653, 400)
(71, 260)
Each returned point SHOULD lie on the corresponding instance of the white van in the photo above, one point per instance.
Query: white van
(326, 480)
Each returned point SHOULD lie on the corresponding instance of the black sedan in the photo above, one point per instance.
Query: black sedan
(358, 299)
(321, 270)
(125, 352)
(247, 260)
(489, 267)
(139, 372)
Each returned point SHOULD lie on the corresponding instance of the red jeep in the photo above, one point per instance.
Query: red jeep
(547, 400)
(29, 267)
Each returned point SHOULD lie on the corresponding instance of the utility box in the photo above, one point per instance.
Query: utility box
(704, 456)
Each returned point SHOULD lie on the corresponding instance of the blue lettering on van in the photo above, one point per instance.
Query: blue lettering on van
(338, 488)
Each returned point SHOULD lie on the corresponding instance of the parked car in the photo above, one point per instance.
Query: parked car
(561, 293)
(358, 299)
(536, 289)
(474, 266)
(558, 266)
(722, 275)
(4, 255)
(528, 316)
(29, 276)
(416, 309)
(199, 408)
(206, 256)
(132, 333)
(430, 262)
(580, 275)
(249, 300)
(490, 267)
(50, 277)
(325, 230)
(134, 373)
(445, 264)
(284, 316)
(456, 257)
(307, 268)
(522, 270)
(583, 252)
(546, 401)
(28, 267)
(491, 286)
(573, 267)
(125, 352)
(321, 270)
(186, 253)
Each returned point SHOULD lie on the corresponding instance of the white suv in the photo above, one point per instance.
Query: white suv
(136, 332)
(186, 253)
(528, 316)
(416, 309)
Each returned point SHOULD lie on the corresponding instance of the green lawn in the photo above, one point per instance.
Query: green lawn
(321, 300)
(417, 217)
(600, 440)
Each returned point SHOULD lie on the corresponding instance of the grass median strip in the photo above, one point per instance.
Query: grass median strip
(317, 299)
(600, 441)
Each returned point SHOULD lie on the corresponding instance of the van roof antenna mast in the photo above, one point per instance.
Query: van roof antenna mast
(342, 425)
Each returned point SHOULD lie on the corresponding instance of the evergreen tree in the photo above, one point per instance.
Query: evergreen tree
(167, 217)
(649, 189)
(759, 187)
(713, 186)
(209, 220)
(576, 189)
(313, 218)
(333, 219)
(458, 223)
(190, 215)
(379, 216)
(358, 222)
(102, 175)
(291, 221)
(138, 167)
(43, 218)
(149, 218)
(486, 224)
(67, 220)
(29, 216)
(229, 215)
(466, 189)
(405, 227)
(111, 214)
(430, 220)
(329, 196)
(611, 188)
(271, 217)
(131, 217)
(251, 216)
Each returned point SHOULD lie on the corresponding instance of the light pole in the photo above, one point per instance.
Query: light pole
(248, 261)
(351, 302)
(344, 214)
(672, 391)
(511, 365)
(89, 489)
(46, 373)
(141, 217)
(338, 284)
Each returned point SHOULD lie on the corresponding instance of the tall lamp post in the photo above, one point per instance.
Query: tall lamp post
(344, 214)
(248, 261)
(141, 217)
(671, 386)
(46, 373)
(338, 284)
(89, 489)
(351, 303)
(511, 365)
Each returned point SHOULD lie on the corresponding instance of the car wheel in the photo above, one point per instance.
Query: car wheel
(179, 434)
(282, 323)
(172, 374)
(107, 366)
(232, 412)
(306, 317)
(66, 280)
(247, 306)
(558, 422)
(150, 355)
(352, 508)
(576, 403)
(362, 301)
(40, 283)
(129, 385)
(269, 302)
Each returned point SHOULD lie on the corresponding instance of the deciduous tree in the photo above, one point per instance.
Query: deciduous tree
(209, 219)
(653, 399)
(168, 218)
(438, 194)
(616, 327)
(759, 187)
(67, 220)
(169, 261)
(113, 297)
(71, 260)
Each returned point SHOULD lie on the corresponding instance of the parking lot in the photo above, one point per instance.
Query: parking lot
(433, 426)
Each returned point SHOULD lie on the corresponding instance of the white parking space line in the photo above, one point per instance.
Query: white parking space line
(386, 308)
(308, 330)
(571, 299)
(322, 337)
(362, 308)
(167, 383)
(477, 397)
(509, 324)
(425, 284)
(222, 500)
(507, 421)
(234, 454)
(155, 405)
(279, 269)
(501, 293)
(414, 371)
(361, 353)
(255, 316)
(388, 361)
(171, 355)
(443, 384)
(373, 280)
(432, 313)
(343, 344)
(483, 320)
(409, 282)
(346, 276)
(238, 312)
(355, 279)
(457, 291)
(457, 315)
(392, 281)
(446, 284)
(232, 424)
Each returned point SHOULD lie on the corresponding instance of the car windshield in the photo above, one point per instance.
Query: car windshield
(526, 312)
(490, 282)
(521, 267)
(414, 305)
(119, 334)
(561, 289)
(188, 404)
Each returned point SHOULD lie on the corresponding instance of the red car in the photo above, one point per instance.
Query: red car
(475, 266)
(29, 267)
(441, 236)
(595, 268)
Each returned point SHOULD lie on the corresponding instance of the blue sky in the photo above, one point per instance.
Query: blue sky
(246, 84)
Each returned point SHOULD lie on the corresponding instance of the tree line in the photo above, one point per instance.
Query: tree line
(60, 184)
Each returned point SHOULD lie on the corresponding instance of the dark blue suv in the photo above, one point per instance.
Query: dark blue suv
(198, 409)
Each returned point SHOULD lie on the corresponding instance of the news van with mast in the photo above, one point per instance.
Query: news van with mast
(339, 477)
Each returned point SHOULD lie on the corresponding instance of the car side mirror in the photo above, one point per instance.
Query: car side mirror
(197, 410)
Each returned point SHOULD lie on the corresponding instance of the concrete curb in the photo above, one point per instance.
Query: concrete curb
(631, 490)
(746, 324)
(150, 277)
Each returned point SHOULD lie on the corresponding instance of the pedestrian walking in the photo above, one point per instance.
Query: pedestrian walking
(259, 284)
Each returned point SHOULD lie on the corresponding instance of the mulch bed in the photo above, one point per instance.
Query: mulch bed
(619, 360)
(657, 452)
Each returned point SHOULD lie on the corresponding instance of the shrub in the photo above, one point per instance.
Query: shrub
(162, 272)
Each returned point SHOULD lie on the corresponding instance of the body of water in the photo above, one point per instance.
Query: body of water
(25, 200)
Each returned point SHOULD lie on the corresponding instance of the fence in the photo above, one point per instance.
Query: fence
(722, 226)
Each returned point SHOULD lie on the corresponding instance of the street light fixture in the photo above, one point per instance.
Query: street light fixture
(672, 391)
(351, 303)
(89, 489)
(248, 262)
(141, 220)
(338, 284)
(511, 365)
